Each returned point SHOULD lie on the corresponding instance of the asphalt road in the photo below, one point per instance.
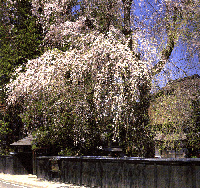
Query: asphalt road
(4, 184)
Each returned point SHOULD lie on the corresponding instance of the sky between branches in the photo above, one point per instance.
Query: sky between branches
(181, 63)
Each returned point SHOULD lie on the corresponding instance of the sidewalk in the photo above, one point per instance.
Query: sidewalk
(34, 182)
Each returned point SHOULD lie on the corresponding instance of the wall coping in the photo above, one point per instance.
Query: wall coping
(128, 159)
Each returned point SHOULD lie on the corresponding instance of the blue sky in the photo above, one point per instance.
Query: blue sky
(179, 65)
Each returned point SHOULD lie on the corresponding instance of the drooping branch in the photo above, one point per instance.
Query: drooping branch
(166, 52)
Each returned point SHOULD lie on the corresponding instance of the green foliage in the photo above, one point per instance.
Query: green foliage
(66, 152)
(194, 130)
(174, 113)
(20, 37)
(10, 127)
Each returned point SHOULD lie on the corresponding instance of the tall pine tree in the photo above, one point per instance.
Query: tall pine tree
(21, 38)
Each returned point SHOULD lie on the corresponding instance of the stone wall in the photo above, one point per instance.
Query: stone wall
(121, 172)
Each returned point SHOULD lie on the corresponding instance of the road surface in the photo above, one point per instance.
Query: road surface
(4, 184)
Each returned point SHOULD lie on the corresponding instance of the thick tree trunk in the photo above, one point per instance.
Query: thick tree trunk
(127, 21)
(141, 109)
(164, 58)
(127, 14)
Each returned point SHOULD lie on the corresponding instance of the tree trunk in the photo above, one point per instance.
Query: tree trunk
(127, 14)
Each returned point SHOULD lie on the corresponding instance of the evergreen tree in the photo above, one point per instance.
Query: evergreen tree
(20, 38)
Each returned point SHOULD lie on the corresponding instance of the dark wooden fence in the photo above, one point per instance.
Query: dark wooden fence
(121, 172)
(6, 164)
(20, 163)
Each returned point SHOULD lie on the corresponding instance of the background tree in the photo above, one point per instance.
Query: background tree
(21, 37)
(193, 132)
(11, 127)
(174, 113)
